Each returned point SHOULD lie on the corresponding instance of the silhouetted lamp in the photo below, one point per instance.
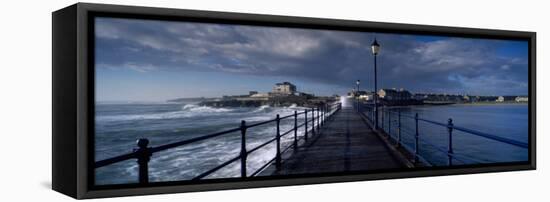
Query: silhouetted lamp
(375, 49)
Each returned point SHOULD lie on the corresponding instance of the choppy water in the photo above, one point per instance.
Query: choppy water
(503, 120)
(118, 126)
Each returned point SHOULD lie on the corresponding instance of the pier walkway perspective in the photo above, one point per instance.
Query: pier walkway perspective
(334, 138)
(345, 143)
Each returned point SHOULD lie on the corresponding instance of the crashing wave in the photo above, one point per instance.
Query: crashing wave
(187, 111)
(203, 109)
(262, 108)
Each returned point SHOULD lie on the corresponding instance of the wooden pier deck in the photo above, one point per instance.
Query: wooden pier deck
(345, 143)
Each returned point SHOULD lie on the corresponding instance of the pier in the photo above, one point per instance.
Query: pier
(345, 143)
(335, 138)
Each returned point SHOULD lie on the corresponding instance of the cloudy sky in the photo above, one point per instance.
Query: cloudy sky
(146, 60)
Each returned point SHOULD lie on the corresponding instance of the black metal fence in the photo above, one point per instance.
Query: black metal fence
(318, 117)
(391, 118)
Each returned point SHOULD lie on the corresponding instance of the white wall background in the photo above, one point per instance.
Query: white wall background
(25, 102)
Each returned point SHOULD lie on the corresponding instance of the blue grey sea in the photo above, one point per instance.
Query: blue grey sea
(119, 125)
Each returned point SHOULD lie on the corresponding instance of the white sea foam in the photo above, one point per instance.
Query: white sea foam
(186, 111)
(293, 106)
(262, 108)
(204, 109)
(183, 163)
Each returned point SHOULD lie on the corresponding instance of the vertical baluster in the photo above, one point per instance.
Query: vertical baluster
(373, 117)
(382, 118)
(295, 129)
(389, 123)
(416, 138)
(323, 110)
(305, 123)
(312, 121)
(398, 127)
(143, 156)
(244, 153)
(318, 120)
(450, 149)
(278, 137)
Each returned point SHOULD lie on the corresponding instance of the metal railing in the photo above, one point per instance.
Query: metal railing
(386, 122)
(319, 116)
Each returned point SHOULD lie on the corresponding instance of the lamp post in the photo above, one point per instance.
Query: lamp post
(375, 49)
(357, 93)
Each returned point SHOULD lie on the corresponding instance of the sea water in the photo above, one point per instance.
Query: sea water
(119, 125)
(503, 120)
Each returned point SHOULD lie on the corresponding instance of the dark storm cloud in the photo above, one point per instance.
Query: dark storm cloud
(453, 65)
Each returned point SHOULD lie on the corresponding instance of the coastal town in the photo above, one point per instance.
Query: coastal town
(400, 97)
(286, 94)
(282, 94)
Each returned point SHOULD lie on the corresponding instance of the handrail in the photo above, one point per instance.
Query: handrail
(494, 137)
(143, 152)
(116, 159)
(192, 140)
(449, 126)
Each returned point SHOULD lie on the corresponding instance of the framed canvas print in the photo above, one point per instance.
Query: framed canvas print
(154, 100)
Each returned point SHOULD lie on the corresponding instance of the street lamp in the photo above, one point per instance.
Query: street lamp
(357, 93)
(375, 49)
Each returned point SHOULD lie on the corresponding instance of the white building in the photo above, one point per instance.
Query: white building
(522, 99)
(285, 88)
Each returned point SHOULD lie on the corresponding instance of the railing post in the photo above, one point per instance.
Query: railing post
(323, 110)
(321, 115)
(318, 120)
(244, 154)
(305, 123)
(295, 129)
(450, 149)
(313, 121)
(143, 156)
(373, 118)
(398, 127)
(327, 110)
(389, 123)
(416, 138)
(278, 137)
(382, 118)
(325, 114)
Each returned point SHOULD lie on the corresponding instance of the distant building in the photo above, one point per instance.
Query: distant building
(367, 97)
(359, 93)
(420, 96)
(306, 95)
(260, 95)
(254, 96)
(394, 95)
(500, 99)
(285, 88)
(364, 95)
(522, 99)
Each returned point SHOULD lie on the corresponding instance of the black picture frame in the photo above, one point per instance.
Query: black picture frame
(73, 98)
